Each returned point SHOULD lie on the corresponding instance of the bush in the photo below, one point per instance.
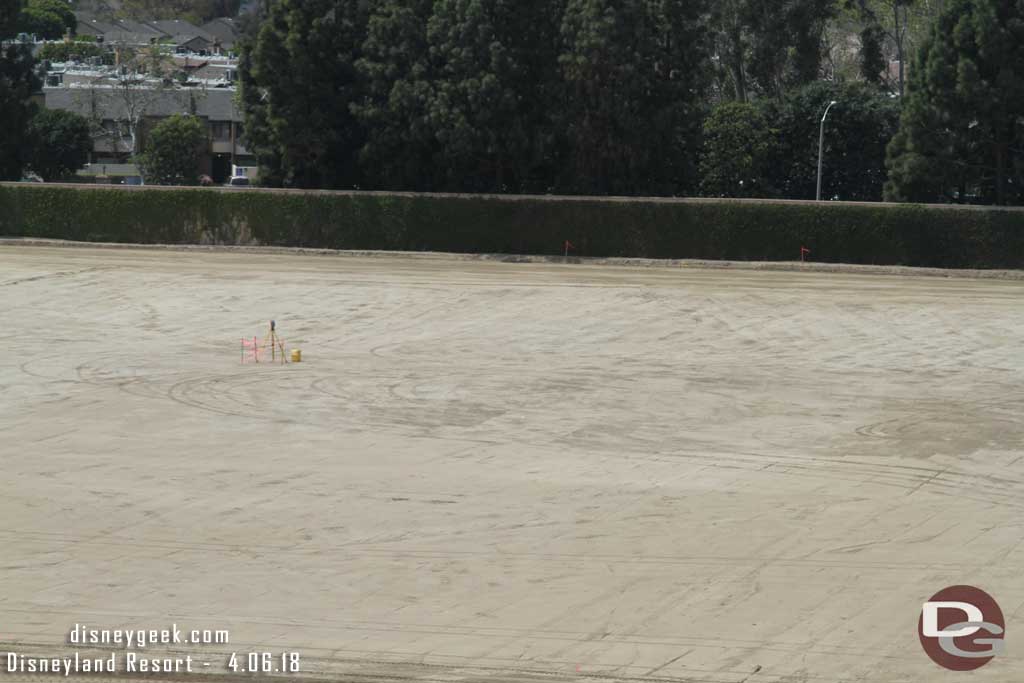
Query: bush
(59, 143)
(737, 143)
(950, 237)
(172, 151)
(63, 52)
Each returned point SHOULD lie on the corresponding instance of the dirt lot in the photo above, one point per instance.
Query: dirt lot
(487, 471)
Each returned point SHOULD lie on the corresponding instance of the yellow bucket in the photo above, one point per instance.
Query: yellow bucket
(296, 355)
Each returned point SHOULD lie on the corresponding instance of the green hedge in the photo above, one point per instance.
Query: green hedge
(951, 237)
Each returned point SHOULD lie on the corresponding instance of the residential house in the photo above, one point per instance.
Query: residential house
(224, 31)
(185, 37)
(182, 35)
(112, 109)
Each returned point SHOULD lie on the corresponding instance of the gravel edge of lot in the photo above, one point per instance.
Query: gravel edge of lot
(696, 264)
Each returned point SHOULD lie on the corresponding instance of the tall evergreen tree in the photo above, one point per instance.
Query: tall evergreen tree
(457, 94)
(886, 23)
(17, 83)
(400, 151)
(634, 80)
(872, 54)
(9, 11)
(299, 81)
(494, 66)
(961, 136)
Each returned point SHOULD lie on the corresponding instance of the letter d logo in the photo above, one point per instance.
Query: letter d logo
(930, 619)
(961, 628)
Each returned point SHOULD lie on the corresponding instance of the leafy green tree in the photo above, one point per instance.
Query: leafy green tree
(738, 143)
(299, 82)
(60, 142)
(730, 46)
(58, 8)
(172, 151)
(633, 78)
(767, 47)
(961, 136)
(857, 131)
(43, 24)
(47, 19)
(17, 83)
(786, 50)
(770, 148)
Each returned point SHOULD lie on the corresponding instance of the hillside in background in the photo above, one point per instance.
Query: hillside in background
(195, 11)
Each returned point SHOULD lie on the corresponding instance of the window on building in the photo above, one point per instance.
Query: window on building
(221, 130)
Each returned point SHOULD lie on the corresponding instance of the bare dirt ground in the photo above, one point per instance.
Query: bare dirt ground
(501, 472)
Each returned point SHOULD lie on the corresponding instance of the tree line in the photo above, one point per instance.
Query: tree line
(629, 97)
(632, 97)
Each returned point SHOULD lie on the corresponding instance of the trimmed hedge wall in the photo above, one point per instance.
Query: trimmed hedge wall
(949, 237)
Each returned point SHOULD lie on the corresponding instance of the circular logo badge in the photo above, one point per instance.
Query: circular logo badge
(961, 628)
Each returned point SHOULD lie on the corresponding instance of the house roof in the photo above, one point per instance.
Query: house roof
(118, 30)
(225, 30)
(93, 26)
(212, 104)
(135, 26)
(178, 27)
(180, 32)
(189, 40)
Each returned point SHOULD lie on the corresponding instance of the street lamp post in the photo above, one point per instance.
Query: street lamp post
(821, 145)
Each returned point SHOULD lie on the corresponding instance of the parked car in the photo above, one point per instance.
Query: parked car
(239, 181)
